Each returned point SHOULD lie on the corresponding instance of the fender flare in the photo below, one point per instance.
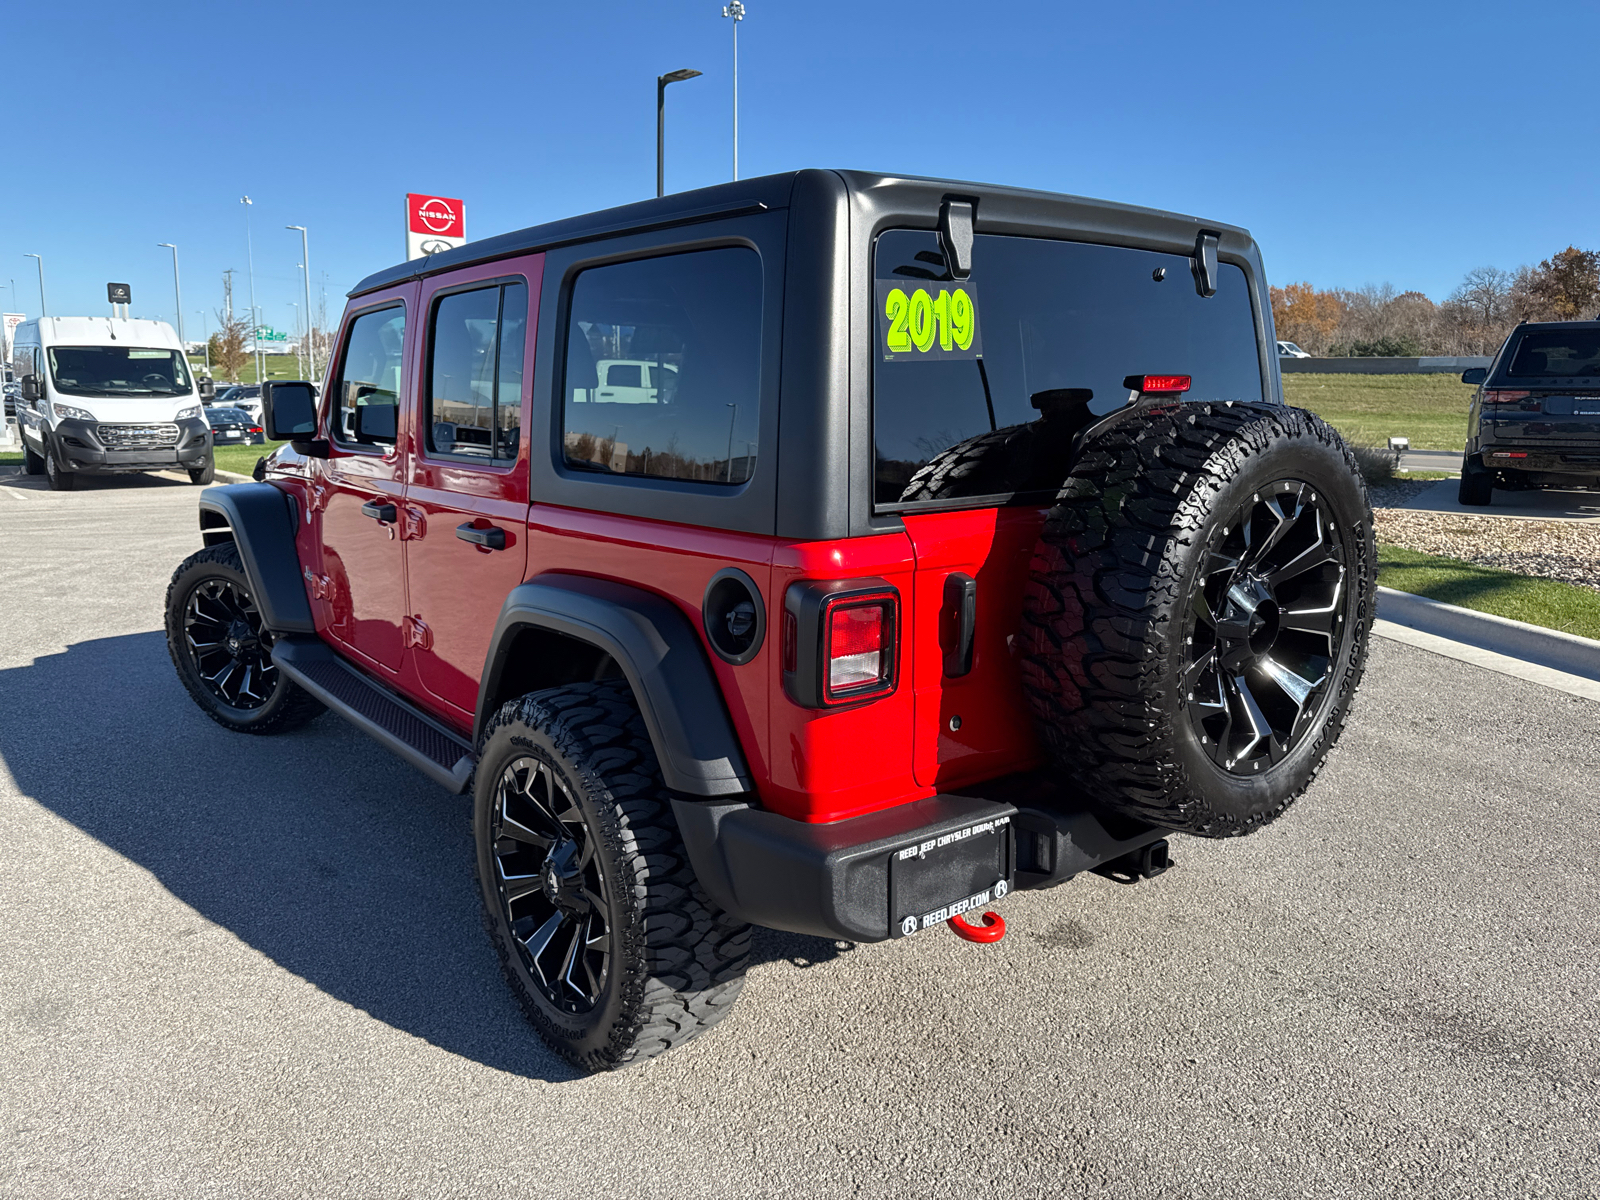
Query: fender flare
(260, 520)
(659, 652)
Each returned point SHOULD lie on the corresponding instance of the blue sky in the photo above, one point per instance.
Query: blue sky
(1358, 142)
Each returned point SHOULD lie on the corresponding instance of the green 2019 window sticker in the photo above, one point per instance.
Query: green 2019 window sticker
(927, 320)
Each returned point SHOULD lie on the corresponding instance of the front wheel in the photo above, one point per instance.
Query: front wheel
(57, 476)
(612, 947)
(205, 474)
(223, 652)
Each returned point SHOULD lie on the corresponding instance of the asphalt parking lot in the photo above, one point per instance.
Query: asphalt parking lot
(242, 967)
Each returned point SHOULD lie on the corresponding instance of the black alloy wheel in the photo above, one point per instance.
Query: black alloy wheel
(232, 651)
(552, 893)
(1264, 627)
(223, 651)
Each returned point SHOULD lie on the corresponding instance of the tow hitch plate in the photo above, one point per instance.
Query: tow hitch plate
(945, 876)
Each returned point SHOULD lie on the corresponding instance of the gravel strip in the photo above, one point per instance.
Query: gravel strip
(1568, 551)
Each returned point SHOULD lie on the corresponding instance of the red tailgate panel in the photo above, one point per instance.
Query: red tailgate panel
(994, 546)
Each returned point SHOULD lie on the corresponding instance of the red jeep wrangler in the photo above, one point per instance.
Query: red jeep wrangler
(830, 551)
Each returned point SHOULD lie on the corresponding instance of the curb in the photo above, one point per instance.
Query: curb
(1548, 648)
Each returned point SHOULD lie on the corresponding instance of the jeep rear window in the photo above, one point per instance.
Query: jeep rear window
(1557, 352)
(663, 367)
(1037, 316)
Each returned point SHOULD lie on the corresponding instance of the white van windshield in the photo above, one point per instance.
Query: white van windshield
(118, 371)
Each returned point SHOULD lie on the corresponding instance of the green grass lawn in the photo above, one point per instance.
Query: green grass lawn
(242, 458)
(1431, 410)
(1546, 602)
(279, 366)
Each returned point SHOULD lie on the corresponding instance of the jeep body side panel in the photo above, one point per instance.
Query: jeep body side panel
(659, 652)
(261, 519)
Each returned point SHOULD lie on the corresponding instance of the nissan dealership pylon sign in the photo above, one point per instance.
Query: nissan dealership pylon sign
(433, 223)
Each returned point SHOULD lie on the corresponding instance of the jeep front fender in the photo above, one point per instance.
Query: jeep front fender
(658, 651)
(260, 520)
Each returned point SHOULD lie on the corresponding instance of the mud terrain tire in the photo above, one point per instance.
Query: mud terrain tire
(1196, 622)
(614, 951)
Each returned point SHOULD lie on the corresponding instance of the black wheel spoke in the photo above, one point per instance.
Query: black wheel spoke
(1262, 628)
(546, 859)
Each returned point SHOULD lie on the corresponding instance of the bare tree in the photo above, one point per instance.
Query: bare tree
(228, 343)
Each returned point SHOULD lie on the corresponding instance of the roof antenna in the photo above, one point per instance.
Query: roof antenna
(955, 236)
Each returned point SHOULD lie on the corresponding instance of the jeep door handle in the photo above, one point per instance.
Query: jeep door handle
(491, 538)
(961, 601)
(378, 512)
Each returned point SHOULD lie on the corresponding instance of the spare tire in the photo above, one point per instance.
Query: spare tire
(1196, 621)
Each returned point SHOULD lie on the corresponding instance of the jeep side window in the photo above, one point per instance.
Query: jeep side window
(474, 403)
(663, 365)
(369, 378)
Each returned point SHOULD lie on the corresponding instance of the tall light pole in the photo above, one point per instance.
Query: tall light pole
(255, 318)
(299, 339)
(661, 123)
(177, 290)
(735, 10)
(305, 262)
(43, 311)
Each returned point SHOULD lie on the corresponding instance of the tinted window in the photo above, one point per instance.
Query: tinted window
(1557, 352)
(369, 377)
(1046, 326)
(690, 324)
(474, 403)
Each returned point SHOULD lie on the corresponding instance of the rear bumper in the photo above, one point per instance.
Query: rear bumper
(1554, 460)
(893, 872)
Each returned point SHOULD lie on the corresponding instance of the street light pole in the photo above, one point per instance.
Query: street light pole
(43, 311)
(250, 251)
(661, 123)
(305, 256)
(177, 290)
(735, 10)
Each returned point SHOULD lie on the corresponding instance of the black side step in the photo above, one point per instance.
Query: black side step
(443, 756)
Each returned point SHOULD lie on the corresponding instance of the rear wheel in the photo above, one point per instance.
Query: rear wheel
(1477, 482)
(223, 652)
(32, 464)
(613, 949)
(1196, 622)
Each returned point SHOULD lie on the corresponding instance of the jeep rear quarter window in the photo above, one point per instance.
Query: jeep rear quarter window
(1043, 315)
(690, 325)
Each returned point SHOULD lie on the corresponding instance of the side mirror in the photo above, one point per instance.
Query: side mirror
(289, 413)
(208, 390)
(30, 388)
(375, 424)
(1474, 375)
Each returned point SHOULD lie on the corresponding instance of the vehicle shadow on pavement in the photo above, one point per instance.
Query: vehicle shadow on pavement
(317, 849)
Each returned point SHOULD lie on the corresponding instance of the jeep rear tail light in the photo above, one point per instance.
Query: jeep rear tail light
(856, 650)
(1158, 385)
(841, 641)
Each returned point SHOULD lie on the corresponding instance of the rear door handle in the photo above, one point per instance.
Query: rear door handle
(961, 603)
(492, 538)
(378, 512)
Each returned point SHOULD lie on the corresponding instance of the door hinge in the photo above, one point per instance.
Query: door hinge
(416, 633)
(414, 523)
(320, 586)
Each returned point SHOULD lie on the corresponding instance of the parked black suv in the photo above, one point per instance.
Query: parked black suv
(1535, 419)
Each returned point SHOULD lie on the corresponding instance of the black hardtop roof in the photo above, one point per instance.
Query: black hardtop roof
(1537, 326)
(765, 193)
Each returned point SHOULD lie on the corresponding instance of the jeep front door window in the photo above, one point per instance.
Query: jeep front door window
(369, 379)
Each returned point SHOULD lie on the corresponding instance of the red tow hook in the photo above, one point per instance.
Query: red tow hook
(992, 929)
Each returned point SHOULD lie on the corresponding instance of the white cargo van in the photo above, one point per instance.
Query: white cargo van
(104, 395)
